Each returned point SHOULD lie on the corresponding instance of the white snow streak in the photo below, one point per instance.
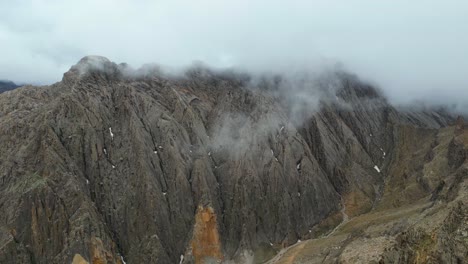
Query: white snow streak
(384, 154)
(377, 168)
(111, 134)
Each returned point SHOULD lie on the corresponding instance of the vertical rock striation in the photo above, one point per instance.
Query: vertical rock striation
(110, 165)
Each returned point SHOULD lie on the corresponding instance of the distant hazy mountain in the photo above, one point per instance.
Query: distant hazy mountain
(7, 86)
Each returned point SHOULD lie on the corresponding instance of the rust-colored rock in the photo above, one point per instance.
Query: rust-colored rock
(99, 254)
(78, 259)
(206, 244)
(129, 158)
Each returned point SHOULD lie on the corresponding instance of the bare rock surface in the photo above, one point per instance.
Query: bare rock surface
(422, 216)
(113, 165)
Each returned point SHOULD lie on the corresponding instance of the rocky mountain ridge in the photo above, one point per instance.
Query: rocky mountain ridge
(112, 165)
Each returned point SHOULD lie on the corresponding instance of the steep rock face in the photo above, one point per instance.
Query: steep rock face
(106, 166)
(421, 216)
(205, 243)
(457, 152)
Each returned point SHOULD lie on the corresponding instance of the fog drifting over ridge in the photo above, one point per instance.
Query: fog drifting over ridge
(412, 50)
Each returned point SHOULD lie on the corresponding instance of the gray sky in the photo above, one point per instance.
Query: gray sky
(414, 49)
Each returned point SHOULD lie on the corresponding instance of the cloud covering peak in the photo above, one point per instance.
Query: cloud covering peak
(414, 50)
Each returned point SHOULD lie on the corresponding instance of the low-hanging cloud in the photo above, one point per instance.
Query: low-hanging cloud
(414, 50)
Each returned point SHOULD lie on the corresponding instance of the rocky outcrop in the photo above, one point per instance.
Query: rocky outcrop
(446, 245)
(205, 243)
(457, 152)
(113, 165)
(421, 217)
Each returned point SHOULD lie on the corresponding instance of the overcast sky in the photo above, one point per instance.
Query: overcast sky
(414, 49)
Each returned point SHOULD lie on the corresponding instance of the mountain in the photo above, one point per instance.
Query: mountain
(113, 165)
(7, 86)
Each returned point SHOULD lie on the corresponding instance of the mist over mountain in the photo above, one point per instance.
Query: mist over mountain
(234, 132)
(116, 165)
(413, 51)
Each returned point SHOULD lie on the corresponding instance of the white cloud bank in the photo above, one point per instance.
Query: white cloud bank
(415, 50)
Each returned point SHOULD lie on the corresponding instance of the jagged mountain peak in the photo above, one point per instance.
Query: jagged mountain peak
(96, 66)
(209, 165)
(94, 63)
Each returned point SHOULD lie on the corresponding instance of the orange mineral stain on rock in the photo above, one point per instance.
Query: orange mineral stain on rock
(99, 254)
(206, 244)
(78, 259)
